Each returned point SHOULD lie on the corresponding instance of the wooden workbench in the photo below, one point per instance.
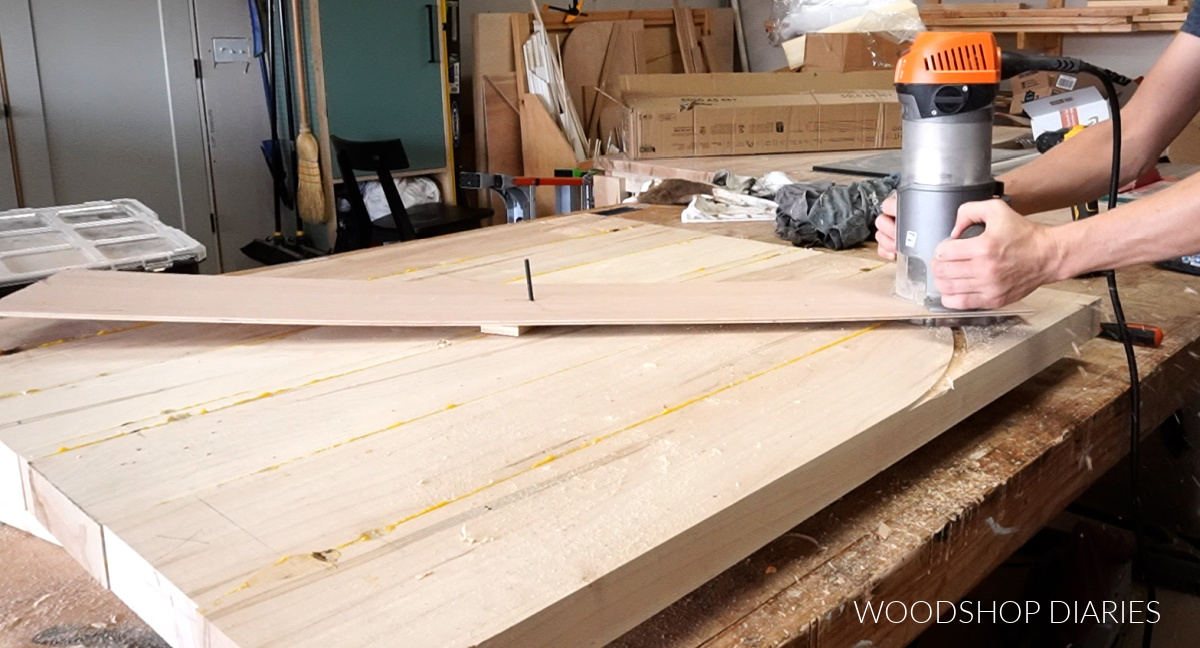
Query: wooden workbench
(476, 489)
(935, 524)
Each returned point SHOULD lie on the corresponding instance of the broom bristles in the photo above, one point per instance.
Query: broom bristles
(310, 195)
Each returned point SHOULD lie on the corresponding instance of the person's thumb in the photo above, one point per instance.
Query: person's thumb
(972, 213)
(889, 205)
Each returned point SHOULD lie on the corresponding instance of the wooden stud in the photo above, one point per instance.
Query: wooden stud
(681, 38)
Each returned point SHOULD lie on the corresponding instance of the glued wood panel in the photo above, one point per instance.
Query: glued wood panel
(319, 486)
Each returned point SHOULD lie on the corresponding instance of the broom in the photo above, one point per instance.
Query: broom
(310, 195)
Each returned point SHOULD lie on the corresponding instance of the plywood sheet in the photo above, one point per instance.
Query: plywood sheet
(141, 297)
(502, 114)
(544, 149)
(661, 51)
(624, 57)
(720, 47)
(261, 486)
(493, 57)
(583, 59)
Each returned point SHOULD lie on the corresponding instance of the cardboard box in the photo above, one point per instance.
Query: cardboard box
(1085, 106)
(849, 52)
(807, 121)
(743, 84)
(678, 115)
(1186, 148)
(1031, 86)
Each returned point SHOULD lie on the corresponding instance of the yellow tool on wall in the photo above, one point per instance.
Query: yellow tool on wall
(573, 13)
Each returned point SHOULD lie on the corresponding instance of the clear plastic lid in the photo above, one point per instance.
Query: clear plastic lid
(118, 235)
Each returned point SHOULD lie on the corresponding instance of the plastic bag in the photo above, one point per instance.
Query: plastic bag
(414, 190)
(792, 18)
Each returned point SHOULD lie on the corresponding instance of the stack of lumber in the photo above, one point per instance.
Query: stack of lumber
(518, 136)
(1100, 16)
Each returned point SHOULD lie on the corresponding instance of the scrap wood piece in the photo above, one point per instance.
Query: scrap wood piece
(685, 50)
(544, 77)
(521, 30)
(544, 149)
(150, 297)
(502, 119)
(624, 57)
(1030, 20)
(1067, 13)
(966, 6)
(685, 36)
(1120, 28)
(1161, 18)
(718, 52)
(1129, 3)
(493, 55)
(555, 21)
(584, 56)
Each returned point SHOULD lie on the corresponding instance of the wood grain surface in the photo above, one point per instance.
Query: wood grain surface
(256, 486)
(142, 297)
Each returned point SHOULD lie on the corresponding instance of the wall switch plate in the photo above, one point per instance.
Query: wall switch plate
(231, 50)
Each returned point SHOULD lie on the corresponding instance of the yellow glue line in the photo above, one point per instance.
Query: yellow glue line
(93, 335)
(700, 273)
(65, 341)
(248, 342)
(379, 532)
(420, 417)
(182, 413)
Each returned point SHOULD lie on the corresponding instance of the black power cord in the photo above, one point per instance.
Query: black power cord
(1135, 396)
(1013, 63)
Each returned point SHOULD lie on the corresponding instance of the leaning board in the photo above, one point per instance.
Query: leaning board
(269, 486)
(127, 296)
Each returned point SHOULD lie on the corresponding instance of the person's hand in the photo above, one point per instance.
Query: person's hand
(1007, 262)
(885, 229)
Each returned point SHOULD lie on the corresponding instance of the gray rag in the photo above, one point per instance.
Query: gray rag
(828, 214)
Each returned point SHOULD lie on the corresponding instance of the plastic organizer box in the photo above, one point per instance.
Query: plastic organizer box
(112, 234)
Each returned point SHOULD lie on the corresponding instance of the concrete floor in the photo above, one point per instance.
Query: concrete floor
(46, 599)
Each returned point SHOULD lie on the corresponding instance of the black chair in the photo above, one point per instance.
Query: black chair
(356, 231)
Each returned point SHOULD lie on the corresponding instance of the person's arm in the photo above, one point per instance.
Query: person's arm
(1014, 256)
(1077, 170)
